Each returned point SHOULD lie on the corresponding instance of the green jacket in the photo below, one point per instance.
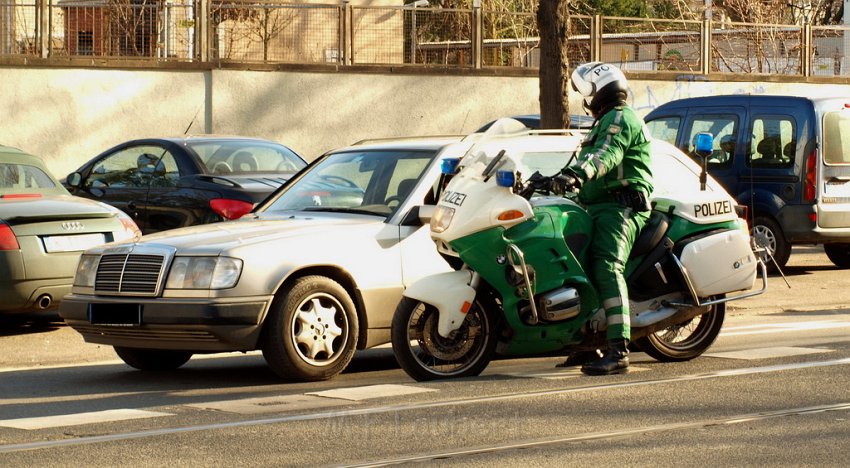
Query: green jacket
(614, 155)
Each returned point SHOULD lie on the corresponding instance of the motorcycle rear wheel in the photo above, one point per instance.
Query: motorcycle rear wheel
(425, 355)
(686, 340)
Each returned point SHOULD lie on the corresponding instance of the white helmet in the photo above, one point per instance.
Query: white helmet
(600, 84)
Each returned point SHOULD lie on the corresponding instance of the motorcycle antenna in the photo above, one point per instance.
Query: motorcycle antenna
(755, 238)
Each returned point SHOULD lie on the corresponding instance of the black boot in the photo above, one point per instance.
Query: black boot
(615, 360)
(578, 358)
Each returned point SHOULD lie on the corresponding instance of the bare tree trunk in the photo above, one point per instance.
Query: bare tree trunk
(552, 23)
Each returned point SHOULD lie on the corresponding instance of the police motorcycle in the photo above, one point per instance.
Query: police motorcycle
(521, 285)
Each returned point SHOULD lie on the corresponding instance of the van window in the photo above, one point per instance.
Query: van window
(724, 129)
(836, 141)
(774, 142)
(665, 128)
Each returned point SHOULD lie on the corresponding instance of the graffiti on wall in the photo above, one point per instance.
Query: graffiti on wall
(646, 97)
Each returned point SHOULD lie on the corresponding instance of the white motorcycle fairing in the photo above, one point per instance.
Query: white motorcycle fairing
(450, 293)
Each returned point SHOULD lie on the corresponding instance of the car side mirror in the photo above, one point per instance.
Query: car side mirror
(426, 212)
(74, 179)
(419, 215)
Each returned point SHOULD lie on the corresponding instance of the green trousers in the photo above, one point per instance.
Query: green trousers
(615, 229)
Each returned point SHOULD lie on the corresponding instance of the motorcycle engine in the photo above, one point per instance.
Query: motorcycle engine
(556, 305)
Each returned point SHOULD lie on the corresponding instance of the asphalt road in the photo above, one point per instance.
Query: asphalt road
(771, 391)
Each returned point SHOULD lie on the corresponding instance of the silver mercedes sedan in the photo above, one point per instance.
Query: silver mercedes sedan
(312, 274)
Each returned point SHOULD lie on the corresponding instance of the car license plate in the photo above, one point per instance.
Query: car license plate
(117, 315)
(72, 243)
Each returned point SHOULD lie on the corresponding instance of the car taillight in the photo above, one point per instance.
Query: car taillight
(230, 209)
(8, 241)
(810, 184)
(11, 196)
(742, 211)
(131, 229)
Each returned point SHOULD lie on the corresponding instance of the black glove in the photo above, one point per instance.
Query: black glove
(563, 183)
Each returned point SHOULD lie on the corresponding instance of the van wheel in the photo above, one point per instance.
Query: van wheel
(839, 254)
(767, 233)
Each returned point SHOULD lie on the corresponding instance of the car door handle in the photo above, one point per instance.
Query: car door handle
(131, 207)
(839, 179)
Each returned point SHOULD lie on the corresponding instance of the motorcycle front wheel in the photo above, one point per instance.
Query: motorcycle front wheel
(425, 355)
(686, 340)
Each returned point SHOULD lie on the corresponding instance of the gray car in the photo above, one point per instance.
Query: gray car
(43, 231)
(313, 274)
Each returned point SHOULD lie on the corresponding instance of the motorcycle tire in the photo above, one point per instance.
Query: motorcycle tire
(425, 355)
(687, 340)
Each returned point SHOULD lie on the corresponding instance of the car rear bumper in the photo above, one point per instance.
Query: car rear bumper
(796, 221)
(178, 324)
(34, 295)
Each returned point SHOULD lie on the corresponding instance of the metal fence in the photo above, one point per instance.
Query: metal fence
(269, 31)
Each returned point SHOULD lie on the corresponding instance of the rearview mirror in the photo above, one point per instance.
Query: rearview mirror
(74, 179)
(368, 164)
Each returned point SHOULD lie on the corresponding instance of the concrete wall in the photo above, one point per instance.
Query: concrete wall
(68, 116)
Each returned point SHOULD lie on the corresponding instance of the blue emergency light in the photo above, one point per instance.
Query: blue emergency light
(449, 165)
(704, 143)
(505, 178)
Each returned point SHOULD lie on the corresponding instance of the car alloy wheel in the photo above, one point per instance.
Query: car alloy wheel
(311, 331)
(318, 327)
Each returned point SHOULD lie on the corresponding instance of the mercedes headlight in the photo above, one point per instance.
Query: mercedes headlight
(86, 271)
(204, 273)
(442, 218)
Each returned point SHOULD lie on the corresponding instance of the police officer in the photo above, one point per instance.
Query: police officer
(613, 177)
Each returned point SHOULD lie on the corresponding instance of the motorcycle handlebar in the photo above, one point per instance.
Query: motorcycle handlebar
(536, 183)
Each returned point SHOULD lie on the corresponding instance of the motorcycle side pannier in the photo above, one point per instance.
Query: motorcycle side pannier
(720, 263)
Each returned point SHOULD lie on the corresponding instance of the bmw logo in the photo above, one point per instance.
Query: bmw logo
(501, 259)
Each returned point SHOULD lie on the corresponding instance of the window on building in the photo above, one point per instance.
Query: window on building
(85, 43)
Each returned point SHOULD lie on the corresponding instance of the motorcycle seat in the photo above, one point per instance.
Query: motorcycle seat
(651, 234)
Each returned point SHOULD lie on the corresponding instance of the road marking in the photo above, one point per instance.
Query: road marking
(488, 449)
(79, 419)
(270, 404)
(781, 327)
(767, 353)
(371, 391)
(405, 407)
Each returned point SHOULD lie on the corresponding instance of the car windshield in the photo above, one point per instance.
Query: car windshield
(364, 182)
(246, 156)
(544, 154)
(23, 178)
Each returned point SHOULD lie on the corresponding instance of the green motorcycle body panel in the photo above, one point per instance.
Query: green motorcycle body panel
(555, 244)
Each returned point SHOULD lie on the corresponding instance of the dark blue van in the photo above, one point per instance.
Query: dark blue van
(787, 158)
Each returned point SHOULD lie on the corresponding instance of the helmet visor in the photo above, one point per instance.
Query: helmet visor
(579, 83)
